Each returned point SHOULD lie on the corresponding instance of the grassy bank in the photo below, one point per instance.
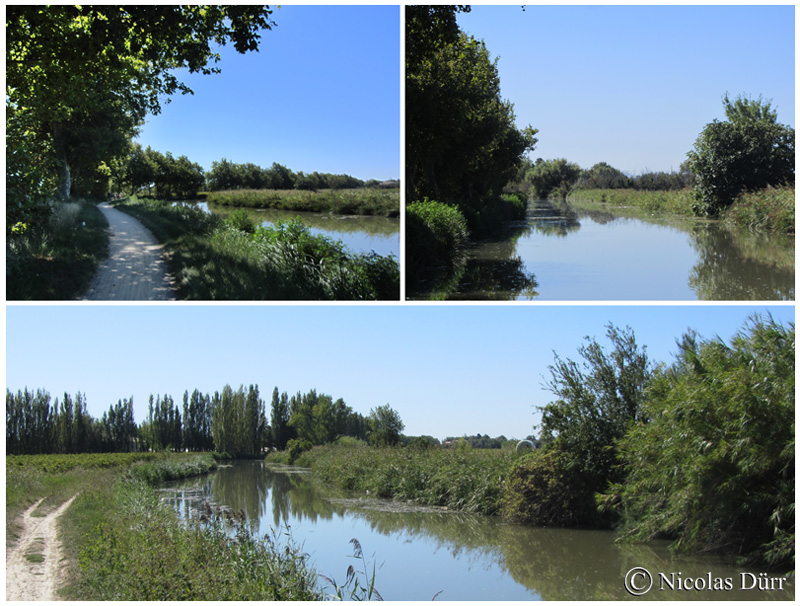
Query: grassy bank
(232, 259)
(677, 202)
(337, 201)
(124, 543)
(770, 209)
(462, 479)
(57, 258)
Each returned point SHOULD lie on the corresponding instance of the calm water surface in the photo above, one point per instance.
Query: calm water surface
(567, 252)
(419, 552)
(361, 234)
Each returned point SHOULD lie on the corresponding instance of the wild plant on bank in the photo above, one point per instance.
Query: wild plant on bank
(215, 259)
(354, 589)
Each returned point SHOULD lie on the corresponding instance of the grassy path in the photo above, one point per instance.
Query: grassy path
(33, 563)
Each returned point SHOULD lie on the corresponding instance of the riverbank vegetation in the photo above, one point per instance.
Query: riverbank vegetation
(609, 445)
(54, 253)
(233, 259)
(462, 144)
(123, 541)
(740, 170)
(377, 202)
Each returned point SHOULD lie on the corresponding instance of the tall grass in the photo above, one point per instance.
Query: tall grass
(458, 478)
(56, 258)
(137, 548)
(770, 209)
(337, 201)
(215, 259)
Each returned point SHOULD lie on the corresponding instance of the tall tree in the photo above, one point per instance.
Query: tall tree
(597, 401)
(461, 139)
(65, 63)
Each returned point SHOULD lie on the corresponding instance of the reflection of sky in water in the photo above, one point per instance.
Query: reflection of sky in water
(407, 567)
(626, 259)
(577, 255)
(418, 554)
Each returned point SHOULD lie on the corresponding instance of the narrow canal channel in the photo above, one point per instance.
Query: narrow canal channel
(564, 251)
(420, 552)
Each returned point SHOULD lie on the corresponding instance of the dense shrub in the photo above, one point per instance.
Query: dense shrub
(711, 463)
(748, 151)
(549, 488)
(435, 233)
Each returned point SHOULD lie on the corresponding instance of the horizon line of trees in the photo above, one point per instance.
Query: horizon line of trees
(145, 168)
(232, 421)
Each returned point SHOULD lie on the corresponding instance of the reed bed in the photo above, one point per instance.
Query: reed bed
(336, 201)
(463, 479)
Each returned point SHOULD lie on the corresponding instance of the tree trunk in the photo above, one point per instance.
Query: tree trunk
(64, 177)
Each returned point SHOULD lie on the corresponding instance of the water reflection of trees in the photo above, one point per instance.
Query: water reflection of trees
(561, 564)
(737, 265)
(551, 218)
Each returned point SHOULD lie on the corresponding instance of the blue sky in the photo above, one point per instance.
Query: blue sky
(321, 94)
(634, 85)
(448, 370)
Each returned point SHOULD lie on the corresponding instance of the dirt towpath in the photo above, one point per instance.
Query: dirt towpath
(38, 579)
(134, 270)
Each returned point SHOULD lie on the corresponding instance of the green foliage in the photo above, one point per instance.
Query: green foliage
(296, 448)
(553, 177)
(56, 253)
(167, 469)
(711, 461)
(462, 142)
(385, 426)
(377, 202)
(597, 401)
(435, 235)
(602, 176)
(81, 79)
(549, 487)
(238, 422)
(748, 151)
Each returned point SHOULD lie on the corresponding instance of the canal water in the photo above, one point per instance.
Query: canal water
(563, 251)
(360, 233)
(419, 553)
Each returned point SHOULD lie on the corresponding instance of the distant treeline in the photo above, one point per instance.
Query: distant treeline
(146, 168)
(556, 178)
(233, 421)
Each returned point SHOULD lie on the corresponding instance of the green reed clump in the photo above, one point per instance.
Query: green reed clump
(172, 469)
(142, 550)
(337, 201)
(770, 209)
(56, 257)
(465, 479)
(232, 259)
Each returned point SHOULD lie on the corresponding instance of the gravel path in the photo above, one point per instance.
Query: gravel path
(134, 270)
(38, 579)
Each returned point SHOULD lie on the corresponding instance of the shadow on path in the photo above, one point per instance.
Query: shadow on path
(134, 270)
